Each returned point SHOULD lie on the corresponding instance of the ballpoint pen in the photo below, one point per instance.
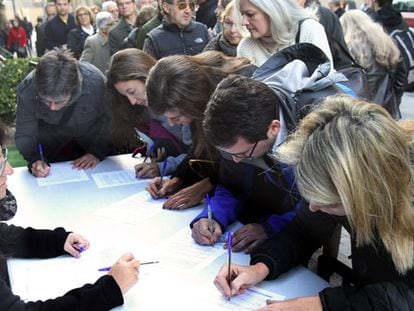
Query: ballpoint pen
(149, 152)
(229, 247)
(141, 264)
(164, 167)
(4, 163)
(209, 215)
(42, 158)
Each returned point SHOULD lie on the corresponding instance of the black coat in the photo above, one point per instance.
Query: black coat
(378, 285)
(76, 41)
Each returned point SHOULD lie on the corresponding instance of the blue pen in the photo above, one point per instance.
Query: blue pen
(141, 264)
(164, 167)
(149, 152)
(209, 215)
(229, 247)
(79, 247)
(42, 158)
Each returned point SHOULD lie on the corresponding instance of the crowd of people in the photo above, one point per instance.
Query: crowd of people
(216, 94)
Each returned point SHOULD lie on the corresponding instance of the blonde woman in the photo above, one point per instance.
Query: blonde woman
(375, 51)
(354, 164)
(84, 19)
(228, 40)
(275, 25)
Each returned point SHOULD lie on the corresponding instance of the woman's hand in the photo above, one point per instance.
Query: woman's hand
(168, 186)
(125, 272)
(75, 244)
(189, 196)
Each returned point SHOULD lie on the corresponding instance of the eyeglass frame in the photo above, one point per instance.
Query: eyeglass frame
(228, 25)
(241, 155)
(187, 3)
(3, 164)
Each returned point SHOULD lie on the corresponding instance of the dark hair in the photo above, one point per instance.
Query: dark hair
(127, 65)
(57, 73)
(56, 1)
(145, 14)
(239, 107)
(184, 84)
(384, 3)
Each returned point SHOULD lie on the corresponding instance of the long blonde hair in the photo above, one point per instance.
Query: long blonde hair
(352, 152)
(367, 39)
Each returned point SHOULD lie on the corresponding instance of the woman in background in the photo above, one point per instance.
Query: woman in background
(84, 19)
(378, 54)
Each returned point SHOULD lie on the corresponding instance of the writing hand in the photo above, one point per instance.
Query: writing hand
(145, 170)
(40, 170)
(125, 272)
(168, 186)
(248, 237)
(86, 161)
(73, 244)
(304, 303)
(189, 196)
(242, 277)
(202, 235)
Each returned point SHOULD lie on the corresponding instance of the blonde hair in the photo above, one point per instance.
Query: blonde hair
(84, 8)
(367, 39)
(228, 11)
(352, 152)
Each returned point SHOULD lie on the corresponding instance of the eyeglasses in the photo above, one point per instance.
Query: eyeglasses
(182, 5)
(83, 14)
(203, 168)
(242, 155)
(3, 163)
(62, 101)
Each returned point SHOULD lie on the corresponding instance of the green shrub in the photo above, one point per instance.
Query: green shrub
(11, 74)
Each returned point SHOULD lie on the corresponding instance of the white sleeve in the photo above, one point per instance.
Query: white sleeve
(313, 32)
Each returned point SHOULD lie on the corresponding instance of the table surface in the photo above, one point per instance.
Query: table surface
(74, 205)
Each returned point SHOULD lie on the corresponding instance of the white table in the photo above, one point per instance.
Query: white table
(73, 206)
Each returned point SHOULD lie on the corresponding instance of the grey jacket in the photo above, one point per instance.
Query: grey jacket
(88, 124)
(96, 52)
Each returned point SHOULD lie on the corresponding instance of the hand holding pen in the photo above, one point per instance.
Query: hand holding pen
(75, 244)
(125, 272)
(40, 168)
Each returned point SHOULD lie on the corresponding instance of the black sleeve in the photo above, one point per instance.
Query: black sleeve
(378, 296)
(31, 243)
(105, 294)
(296, 242)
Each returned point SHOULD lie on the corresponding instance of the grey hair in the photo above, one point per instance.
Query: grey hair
(102, 19)
(106, 4)
(284, 16)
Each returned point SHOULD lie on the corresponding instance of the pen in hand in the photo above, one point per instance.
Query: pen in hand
(42, 158)
(141, 264)
(149, 152)
(209, 215)
(229, 247)
(164, 167)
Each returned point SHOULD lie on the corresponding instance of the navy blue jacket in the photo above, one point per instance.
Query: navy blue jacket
(56, 32)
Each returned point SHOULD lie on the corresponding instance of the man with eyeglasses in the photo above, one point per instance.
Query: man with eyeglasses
(242, 120)
(128, 13)
(178, 33)
(61, 106)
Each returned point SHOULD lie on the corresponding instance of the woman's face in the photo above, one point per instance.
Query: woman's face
(230, 31)
(255, 20)
(83, 18)
(8, 170)
(174, 117)
(134, 90)
(331, 209)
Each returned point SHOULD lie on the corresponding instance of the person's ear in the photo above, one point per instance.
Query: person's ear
(166, 7)
(273, 129)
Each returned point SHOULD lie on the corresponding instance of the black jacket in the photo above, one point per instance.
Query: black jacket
(378, 285)
(87, 120)
(76, 41)
(168, 39)
(56, 31)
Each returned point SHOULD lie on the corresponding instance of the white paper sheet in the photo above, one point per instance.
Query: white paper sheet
(133, 209)
(61, 173)
(116, 178)
(181, 253)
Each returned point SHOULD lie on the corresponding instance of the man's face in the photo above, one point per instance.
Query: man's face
(180, 12)
(62, 7)
(50, 10)
(244, 149)
(113, 9)
(55, 103)
(126, 7)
